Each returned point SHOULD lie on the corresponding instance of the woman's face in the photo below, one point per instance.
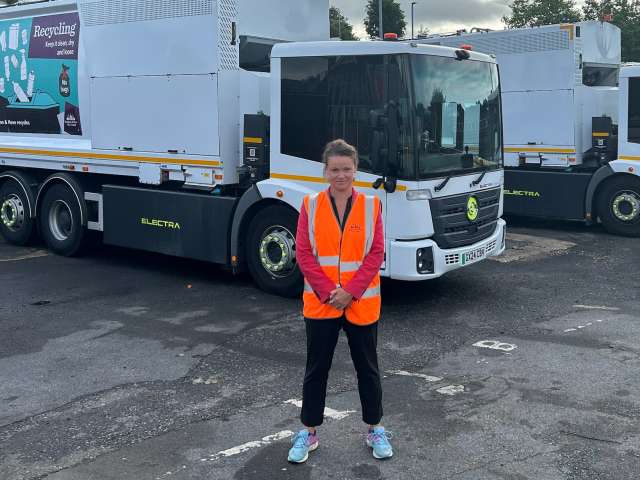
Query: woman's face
(340, 172)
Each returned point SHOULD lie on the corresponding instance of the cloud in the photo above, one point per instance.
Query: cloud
(438, 16)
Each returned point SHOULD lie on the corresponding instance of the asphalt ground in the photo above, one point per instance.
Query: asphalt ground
(128, 365)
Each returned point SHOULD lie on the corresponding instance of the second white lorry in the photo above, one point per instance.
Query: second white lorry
(571, 122)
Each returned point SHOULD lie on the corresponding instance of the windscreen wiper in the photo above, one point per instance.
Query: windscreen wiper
(443, 184)
(477, 181)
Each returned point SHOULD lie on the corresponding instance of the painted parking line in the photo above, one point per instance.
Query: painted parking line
(446, 390)
(451, 390)
(402, 373)
(237, 450)
(581, 327)
(328, 412)
(495, 345)
(597, 307)
(263, 442)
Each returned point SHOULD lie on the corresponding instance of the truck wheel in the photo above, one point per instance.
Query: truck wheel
(60, 221)
(16, 225)
(619, 206)
(271, 251)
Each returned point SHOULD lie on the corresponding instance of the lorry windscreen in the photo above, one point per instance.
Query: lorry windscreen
(455, 113)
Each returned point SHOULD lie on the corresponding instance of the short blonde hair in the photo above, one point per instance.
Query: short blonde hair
(339, 148)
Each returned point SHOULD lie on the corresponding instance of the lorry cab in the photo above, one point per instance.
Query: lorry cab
(427, 124)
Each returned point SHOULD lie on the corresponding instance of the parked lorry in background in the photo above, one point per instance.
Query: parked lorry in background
(571, 122)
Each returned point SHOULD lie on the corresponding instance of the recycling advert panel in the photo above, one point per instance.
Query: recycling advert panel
(39, 75)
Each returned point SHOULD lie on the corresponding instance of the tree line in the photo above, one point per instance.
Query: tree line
(625, 14)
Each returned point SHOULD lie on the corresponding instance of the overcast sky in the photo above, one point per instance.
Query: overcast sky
(438, 16)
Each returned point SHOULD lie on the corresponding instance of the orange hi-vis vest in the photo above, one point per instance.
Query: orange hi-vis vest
(340, 254)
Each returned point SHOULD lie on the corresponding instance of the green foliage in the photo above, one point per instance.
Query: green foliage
(534, 13)
(339, 25)
(626, 16)
(393, 19)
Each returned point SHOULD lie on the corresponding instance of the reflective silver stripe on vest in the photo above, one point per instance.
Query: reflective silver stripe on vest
(327, 261)
(371, 292)
(311, 215)
(369, 221)
(349, 266)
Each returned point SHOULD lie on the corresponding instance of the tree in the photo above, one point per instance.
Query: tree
(534, 13)
(393, 19)
(339, 25)
(626, 16)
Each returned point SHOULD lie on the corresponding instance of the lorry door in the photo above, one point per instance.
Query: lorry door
(629, 148)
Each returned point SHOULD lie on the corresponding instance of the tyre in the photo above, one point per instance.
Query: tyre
(271, 251)
(619, 206)
(16, 224)
(60, 221)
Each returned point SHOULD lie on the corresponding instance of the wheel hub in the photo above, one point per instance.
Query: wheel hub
(626, 206)
(60, 220)
(277, 251)
(12, 213)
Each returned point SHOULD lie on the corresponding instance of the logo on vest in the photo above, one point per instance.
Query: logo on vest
(355, 228)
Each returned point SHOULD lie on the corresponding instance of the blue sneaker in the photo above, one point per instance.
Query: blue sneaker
(303, 443)
(378, 440)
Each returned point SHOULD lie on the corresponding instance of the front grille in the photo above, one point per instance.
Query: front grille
(452, 227)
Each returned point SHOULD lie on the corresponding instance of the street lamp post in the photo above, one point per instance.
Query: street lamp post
(380, 20)
(413, 4)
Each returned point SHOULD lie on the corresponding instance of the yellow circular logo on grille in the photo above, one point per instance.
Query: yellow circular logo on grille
(472, 208)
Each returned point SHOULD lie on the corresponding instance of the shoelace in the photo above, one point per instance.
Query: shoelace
(383, 437)
(300, 440)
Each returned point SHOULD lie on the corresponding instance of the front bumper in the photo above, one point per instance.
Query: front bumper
(401, 256)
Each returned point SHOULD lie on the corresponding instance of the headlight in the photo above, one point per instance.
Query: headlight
(424, 260)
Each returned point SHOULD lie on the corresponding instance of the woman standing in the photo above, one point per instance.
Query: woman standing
(339, 248)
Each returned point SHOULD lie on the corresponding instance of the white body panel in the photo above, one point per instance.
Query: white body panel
(178, 112)
(147, 41)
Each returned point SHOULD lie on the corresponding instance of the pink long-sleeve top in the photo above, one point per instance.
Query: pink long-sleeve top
(320, 283)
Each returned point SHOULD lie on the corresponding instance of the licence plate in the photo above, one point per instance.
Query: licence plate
(473, 256)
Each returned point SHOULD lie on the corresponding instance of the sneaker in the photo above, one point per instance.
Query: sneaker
(378, 440)
(303, 443)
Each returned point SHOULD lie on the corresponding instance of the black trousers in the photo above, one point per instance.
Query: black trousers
(322, 336)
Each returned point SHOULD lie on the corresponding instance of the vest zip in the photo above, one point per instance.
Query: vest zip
(341, 235)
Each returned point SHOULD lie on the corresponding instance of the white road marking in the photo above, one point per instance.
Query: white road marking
(328, 412)
(597, 307)
(208, 381)
(402, 373)
(35, 254)
(263, 442)
(229, 452)
(495, 345)
(580, 327)
(451, 390)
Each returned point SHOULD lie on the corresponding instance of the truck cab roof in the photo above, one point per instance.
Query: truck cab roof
(336, 48)
(630, 70)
